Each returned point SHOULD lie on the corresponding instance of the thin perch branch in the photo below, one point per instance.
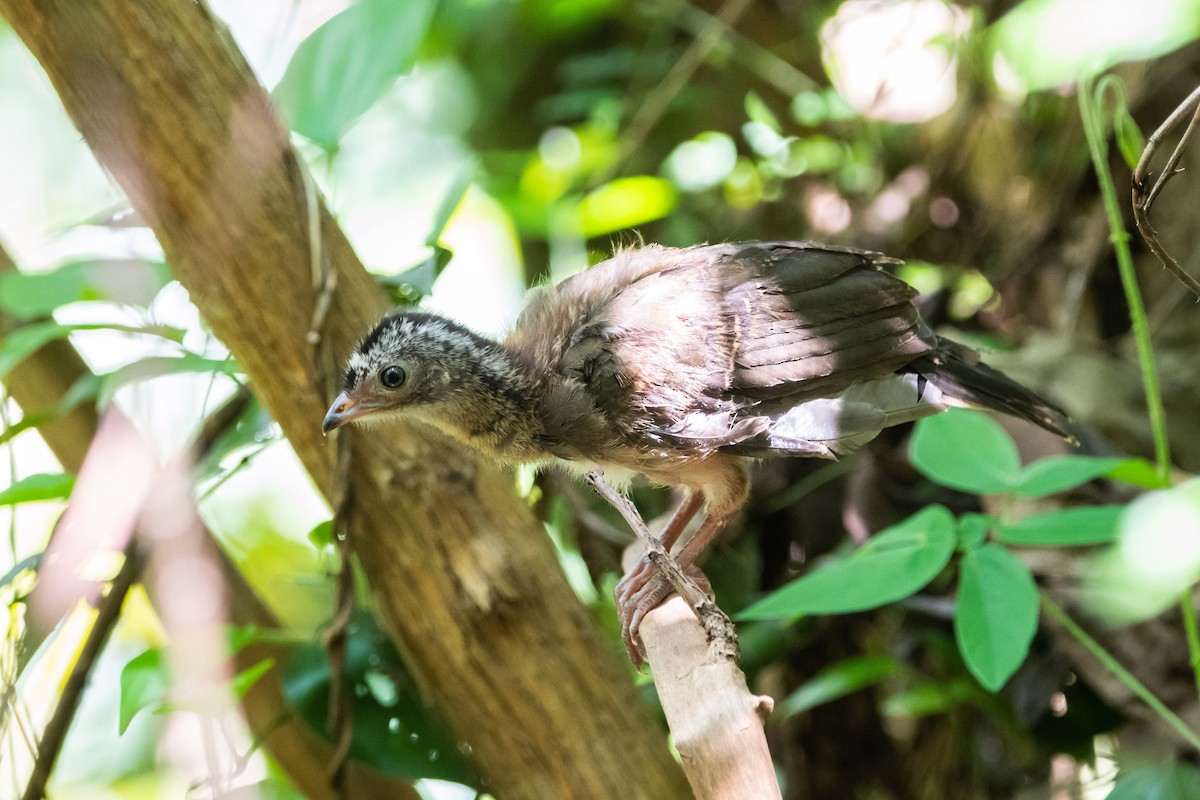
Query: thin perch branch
(1144, 195)
(692, 649)
(108, 611)
(720, 635)
(717, 724)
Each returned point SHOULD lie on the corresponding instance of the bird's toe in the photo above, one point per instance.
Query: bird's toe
(634, 607)
(638, 576)
(641, 591)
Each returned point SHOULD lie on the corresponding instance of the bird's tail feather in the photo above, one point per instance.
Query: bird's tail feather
(959, 374)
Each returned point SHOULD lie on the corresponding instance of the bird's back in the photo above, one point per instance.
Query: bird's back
(690, 351)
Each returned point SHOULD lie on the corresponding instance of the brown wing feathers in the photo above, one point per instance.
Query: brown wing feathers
(713, 347)
(812, 321)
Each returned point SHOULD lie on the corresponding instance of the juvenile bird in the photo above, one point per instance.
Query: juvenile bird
(679, 365)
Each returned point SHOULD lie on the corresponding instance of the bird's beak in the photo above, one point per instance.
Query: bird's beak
(343, 411)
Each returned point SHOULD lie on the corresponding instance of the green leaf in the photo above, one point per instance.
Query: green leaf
(926, 699)
(394, 731)
(1155, 557)
(157, 366)
(242, 636)
(28, 339)
(1139, 472)
(966, 450)
(416, 282)
(836, 681)
(973, 530)
(409, 286)
(43, 486)
(82, 391)
(1068, 526)
(1059, 473)
(892, 565)
(451, 200)
(625, 203)
(29, 562)
(757, 111)
(996, 614)
(133, 281)
(1160, 782)
(1030, 46)
(347, 64)
(144, 683)
(254, 427)
(245, 680)
(322, 534)
(412, 284)
(1130, 140)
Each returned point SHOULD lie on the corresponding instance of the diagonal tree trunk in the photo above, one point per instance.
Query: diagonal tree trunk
(462, 575)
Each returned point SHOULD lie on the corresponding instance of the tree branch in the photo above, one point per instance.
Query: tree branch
(655, 104)
(1144, 193)
(716, 723)
(108, 611)
(463, 577)
(39, 381)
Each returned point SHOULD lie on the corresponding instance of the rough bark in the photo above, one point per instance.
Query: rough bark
(39, 382)
(463, 577)
(717, 724)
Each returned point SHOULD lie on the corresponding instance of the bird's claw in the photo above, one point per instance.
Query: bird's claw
(641, 591)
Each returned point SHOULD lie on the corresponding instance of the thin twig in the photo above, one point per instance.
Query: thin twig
(770, 68)
(1055, 612)
(220, 422)
(108, 610)
(594, 523)
(1093, 125)
(340, 721)
(1144, 198)
(722, 636)
(12, 474)
(1141, 173)
(655, 105)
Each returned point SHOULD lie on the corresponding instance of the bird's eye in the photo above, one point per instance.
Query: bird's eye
(392, 377)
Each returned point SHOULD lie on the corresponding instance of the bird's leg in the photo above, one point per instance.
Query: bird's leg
(656, 550)
(704, 535)
(635, 602)
(643, 570)
(668, 572)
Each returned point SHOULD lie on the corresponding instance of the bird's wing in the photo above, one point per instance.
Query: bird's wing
(812, 320)
(806, 323)
(702, 348)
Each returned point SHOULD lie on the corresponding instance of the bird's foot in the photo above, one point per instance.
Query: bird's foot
(645, 587)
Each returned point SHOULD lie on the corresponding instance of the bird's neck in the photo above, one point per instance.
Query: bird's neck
(492, 406)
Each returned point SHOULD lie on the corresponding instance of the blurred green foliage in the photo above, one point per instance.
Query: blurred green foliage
(997, 603)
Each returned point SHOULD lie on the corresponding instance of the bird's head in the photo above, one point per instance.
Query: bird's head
(410, 361)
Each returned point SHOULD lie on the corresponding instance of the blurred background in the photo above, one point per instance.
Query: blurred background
(486, 146)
